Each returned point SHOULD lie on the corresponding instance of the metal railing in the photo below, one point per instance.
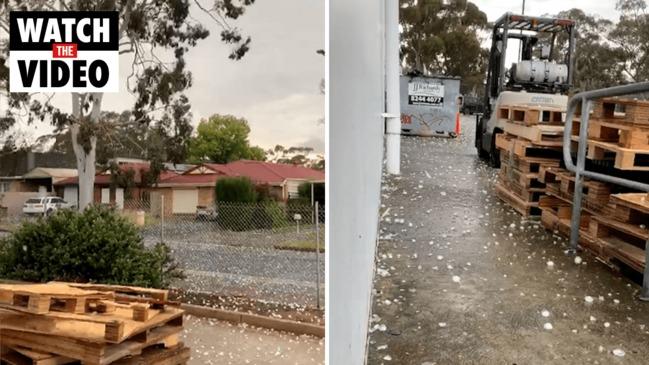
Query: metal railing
(586, 98)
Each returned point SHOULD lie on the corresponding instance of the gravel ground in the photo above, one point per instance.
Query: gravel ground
(216, 342)
(463, 279)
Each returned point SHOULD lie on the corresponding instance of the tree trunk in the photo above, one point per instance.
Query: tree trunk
(85, 159)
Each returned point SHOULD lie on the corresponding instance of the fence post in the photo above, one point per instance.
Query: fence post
(317, 253)
(162, 218)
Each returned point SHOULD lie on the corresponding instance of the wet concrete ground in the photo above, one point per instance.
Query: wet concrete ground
(216, 342)
(463, 279)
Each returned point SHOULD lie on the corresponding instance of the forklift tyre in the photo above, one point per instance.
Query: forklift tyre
(494, 155)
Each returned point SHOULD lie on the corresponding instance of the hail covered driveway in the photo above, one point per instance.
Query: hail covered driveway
(463, 279)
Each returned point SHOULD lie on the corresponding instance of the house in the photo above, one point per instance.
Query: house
(27, 174)
(186, 189)
(195, 187)
(69, 188)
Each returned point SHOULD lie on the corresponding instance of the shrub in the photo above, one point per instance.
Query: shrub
(235, 189)
(97, 245)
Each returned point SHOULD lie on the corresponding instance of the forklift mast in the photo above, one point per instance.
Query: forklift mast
(504, 30)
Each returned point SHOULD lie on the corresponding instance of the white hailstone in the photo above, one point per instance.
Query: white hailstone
(443, 193)
(618, 352)
(592, 319)
(456, 279)
(545, 313)
(387, 358)
(382, 347)
(547, 326)
(440, 257)
(577, 260)
(616, 301)
(550, 264)
(600, 348)
(588, 299)
(387, 302)
(442, 324)
(607, 325)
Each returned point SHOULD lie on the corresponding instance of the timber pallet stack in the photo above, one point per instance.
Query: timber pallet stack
(532, 140)
(614, 220)
(67, 323)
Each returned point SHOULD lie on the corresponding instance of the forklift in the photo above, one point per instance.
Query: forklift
(536, 79)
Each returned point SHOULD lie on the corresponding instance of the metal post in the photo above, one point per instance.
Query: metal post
(644, 294)
(317, 253)
(162, 218)
(579, 178)
(392, 103)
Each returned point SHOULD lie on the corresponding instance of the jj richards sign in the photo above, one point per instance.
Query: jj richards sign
(63, 51)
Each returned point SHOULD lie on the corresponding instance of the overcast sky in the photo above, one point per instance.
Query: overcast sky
(275, 86)
(495, 8)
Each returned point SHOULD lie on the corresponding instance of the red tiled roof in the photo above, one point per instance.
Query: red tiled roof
(103, 177)
(258, 171)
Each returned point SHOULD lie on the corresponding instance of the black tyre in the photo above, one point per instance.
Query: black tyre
(494, 155)
(478, 140)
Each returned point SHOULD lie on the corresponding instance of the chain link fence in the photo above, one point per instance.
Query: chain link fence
(267, 251)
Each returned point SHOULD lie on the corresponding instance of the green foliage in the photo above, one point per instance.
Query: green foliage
(97, 245)
(222, 139)
(235, 190)
(441, 37)
(304, 191)
(631, 36)
(597, 61)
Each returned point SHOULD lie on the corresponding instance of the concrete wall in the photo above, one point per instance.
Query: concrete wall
(356, 101)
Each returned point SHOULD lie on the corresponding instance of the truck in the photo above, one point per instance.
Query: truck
(541, 77)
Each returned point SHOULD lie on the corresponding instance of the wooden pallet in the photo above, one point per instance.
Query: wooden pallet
(634, 111)
(542, 135)
(112, 327)
(550, 175)
(531, 115)
(158, 356)
(87, 352)
(128, 293)
(600, 249)
(632, 208)
(624, 135)
(526, 209)
(623, 158)
(524, 148)
(23, 356)
(44, 298)
(528, 164)
(622, 241)
(525, 180)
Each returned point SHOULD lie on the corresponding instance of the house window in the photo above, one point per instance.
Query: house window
(4, 186)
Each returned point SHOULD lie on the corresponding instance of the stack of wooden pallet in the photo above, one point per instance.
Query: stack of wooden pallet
(66, 323)
(621, 138)
(613, 220)
(532, 140)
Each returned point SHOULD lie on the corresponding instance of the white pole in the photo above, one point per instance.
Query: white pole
(392, 104)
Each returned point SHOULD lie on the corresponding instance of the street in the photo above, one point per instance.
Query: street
(463, 279)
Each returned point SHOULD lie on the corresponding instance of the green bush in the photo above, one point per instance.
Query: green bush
(235, 189)
(97, 245)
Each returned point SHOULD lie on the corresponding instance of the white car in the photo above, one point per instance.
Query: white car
(46, 205)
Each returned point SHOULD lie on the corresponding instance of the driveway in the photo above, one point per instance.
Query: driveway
(463, 279)
(217, 342)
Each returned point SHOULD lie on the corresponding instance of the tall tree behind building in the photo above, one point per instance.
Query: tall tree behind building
(442, 37)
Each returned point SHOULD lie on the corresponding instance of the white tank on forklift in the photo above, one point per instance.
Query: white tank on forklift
(539, 71)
